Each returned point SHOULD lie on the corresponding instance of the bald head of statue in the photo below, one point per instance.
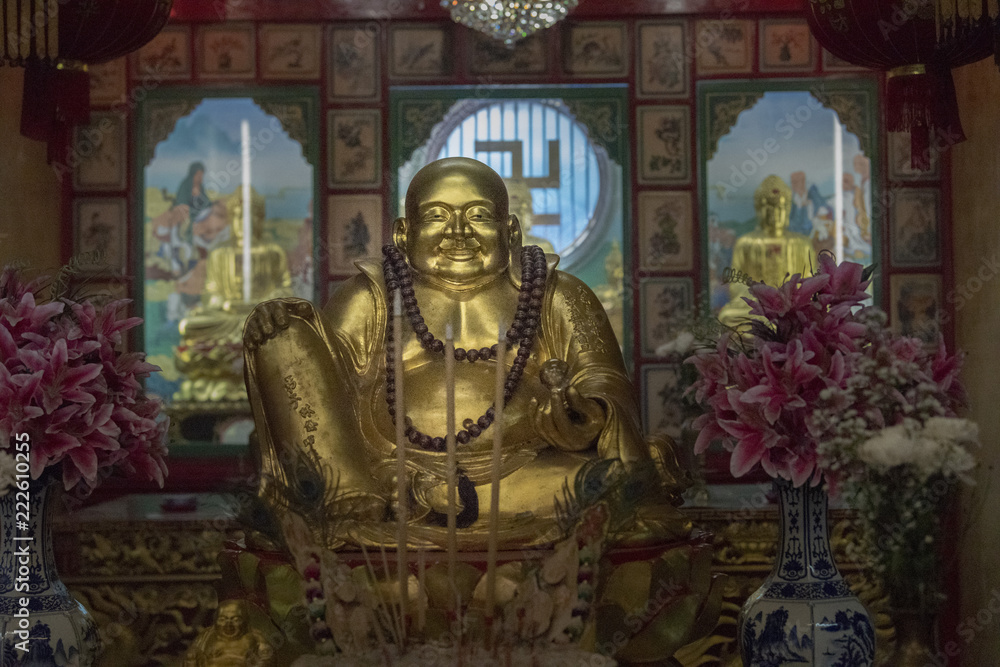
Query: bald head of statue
(457, 230)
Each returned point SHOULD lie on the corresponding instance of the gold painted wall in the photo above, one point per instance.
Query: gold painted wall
(29, 190)
(976, 220)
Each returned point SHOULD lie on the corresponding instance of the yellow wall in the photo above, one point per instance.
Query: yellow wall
(976, 215)
(29, 190)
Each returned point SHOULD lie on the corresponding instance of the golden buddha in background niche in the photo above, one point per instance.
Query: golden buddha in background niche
(770, 253)
(318, 381)
(211, 350)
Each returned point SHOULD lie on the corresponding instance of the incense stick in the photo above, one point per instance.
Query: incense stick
(491, 558)
(402, 497)
(449, 378)
(381, 599)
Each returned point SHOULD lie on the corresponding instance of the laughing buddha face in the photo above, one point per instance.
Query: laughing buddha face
(457, 229)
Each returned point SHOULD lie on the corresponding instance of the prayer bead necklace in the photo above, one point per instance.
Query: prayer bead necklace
(522, 331)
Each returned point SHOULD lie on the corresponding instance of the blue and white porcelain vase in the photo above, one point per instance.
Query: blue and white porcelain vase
(40, 622)
(805, 613)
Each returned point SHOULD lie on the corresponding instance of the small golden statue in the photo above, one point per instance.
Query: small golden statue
(768, 254)
(211, 350)
(231, 642)
(522, 206)
(323, 397)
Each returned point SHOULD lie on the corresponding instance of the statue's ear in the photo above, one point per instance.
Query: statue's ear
(399, 233)
(516, 243)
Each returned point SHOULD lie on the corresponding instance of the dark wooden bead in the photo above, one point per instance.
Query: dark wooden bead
(540, 273)
(391, 285)
(474, 431)
(537, 293)
(425, 440)
(406, 280)
(485, 353)
(413, 436)
(494, 350)
(392, 410)
(420, 329)
(467, 423)
(409, 301)
(437, 444)
(491, 412)
(463, 437)
(529, 333)
(535, 304)
(473, 355)
(427, 338)
(484, 422)
(524, 297)
(437, 345)
(459, 354)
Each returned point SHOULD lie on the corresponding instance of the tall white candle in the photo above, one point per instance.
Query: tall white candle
(247, 231)
(451, 462)
(402, 513)
(491, 557)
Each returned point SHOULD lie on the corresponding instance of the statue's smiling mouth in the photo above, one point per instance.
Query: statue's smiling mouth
(460, 251)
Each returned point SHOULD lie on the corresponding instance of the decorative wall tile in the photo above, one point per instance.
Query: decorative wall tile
(664, 134)
(353, 68)
(354, 230)
(226, 51)
(100, 233)
(665, 231)
(290, 51)
(666, 306)
(354, 146)
(662, 59)
(914, 227)
(596, 49)
(419, 51)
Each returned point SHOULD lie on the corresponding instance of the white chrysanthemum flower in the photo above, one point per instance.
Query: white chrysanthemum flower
(951, 429)
(887, 448)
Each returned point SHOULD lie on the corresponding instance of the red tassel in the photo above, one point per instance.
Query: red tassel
(925, 106)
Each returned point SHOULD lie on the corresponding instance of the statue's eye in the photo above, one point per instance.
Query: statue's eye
(479, 214)
(435, 215)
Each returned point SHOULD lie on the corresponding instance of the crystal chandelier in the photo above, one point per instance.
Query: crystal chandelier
(508, 21)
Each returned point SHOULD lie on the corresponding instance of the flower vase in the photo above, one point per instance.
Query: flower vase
(41, 623)
(915, 637)
(805, 613)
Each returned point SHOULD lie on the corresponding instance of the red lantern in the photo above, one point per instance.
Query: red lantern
(54, 39)
(917, 42)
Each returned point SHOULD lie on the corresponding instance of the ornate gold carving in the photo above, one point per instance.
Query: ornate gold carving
(854, 109)
(160, 122)
(418, 119)
(585, 325)
(293, 117)
(723, 110)
(602, 120)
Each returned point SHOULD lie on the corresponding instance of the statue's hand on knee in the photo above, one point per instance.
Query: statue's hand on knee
(266, 321)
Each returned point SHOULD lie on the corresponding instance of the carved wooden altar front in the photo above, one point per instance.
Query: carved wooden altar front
(148, 575)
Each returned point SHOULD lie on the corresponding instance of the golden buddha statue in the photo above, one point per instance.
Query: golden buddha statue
(522, 206)
(318, 382)
(211, 350)
(770, 253)
(231, 642)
